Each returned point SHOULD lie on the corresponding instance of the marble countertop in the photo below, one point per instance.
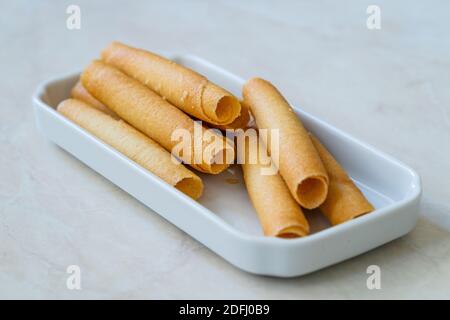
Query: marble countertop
(388, 87)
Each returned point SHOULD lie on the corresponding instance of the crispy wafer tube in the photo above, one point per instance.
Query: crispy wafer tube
(80, 93)
(133, 144)
(146, 111)
(299, 164)
(184, 88)
(279, 214)
(344, 201)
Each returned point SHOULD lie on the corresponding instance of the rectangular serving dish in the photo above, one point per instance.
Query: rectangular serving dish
(224, 219)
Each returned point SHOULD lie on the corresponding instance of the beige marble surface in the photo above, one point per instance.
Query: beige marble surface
(388, 87)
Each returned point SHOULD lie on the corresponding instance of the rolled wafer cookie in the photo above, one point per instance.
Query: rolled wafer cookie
(299, 163)
(132, 144)
(344, 201)
(80, 93)
(279, 214)
(206, 150)
(181, 86)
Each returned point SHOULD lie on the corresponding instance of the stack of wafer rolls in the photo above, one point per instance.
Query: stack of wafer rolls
(154, 116)
(133, 144)
(278, 212)
(299, 163)
(146, 107)
(344, 201)
(181, 86)
(315, 179)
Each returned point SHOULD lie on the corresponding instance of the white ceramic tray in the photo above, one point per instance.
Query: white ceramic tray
(224, 219)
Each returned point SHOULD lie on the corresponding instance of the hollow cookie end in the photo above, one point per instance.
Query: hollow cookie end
(191, 186)
(220, 106)
(312, 192)
(292, 232)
